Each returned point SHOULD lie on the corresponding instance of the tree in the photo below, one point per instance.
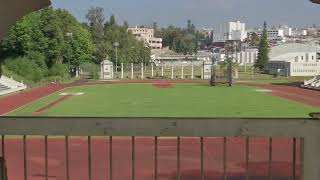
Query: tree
(254, 40)
(263, 54)
(189, 25)
(45, 39)
(112, 20)
(126, 24)
(96, 20)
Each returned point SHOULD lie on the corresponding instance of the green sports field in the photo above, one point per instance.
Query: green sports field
(180, 100)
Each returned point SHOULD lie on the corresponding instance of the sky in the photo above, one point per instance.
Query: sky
(203, 13)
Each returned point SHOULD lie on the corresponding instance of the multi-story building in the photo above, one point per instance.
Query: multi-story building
(146, 35)
(235, 31)
(294, 60)
(274, 34)
(286, 30)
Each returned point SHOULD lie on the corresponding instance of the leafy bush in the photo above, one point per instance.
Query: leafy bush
(59, 70)
(27, 68)
(91, 69)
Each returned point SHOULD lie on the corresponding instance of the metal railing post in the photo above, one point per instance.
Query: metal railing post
(46, 157)
(156, 158)
(3, 163)
(110, 158)
(25, 163)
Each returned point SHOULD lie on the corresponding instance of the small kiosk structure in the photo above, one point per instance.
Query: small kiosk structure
(106, 69)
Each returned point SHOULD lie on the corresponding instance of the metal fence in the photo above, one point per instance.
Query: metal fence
(304, 131)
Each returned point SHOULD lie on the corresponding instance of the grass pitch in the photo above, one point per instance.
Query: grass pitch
(180, 100)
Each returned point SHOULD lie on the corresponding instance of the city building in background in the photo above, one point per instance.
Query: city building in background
(275, 35)
(235, 31)
(146, 35)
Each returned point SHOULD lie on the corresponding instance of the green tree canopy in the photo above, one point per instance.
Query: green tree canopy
(263, 54)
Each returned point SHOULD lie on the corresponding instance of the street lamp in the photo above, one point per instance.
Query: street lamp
(116, 45)
(69, 36)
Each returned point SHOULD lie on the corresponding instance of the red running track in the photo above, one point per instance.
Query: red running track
(305, 96)
(12, 102)
(167, 159)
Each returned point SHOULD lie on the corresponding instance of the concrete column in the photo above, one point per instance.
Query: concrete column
(151, 69)
(142, 71)
(252, 71)
(171, 72)
(122, 76)
(112, 71)
(202, 71)
(162, 73)
(192, 72)
(311, 158)
(236, 73)
(131, 70)
(182, 68)
(101, 72)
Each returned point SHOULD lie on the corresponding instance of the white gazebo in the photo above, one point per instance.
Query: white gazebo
(106, 69)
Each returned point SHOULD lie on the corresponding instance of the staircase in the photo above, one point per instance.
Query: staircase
(8, 85)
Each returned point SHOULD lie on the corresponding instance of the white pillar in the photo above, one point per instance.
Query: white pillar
(171, 72)
(192, 73)
(252, 71)
(122, 76)
(112, 71)
(142, 67)
(101, 72)
(202, 71)
(131, 70)
(182, 68)
(162, 73)
(151, 69)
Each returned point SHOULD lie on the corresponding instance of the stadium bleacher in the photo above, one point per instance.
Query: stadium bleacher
(313, 83)
(8, 85)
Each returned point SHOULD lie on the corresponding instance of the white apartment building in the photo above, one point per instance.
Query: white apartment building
(294, 60)
(299, 32)
(286, 30)
(229, 31)
(274, 35)
(147, 36)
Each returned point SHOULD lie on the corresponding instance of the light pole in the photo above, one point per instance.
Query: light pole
(69, 36)
(116, 45)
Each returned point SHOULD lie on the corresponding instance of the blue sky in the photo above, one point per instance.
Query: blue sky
(201, 12)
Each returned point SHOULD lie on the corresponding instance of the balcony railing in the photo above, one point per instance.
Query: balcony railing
(306, 130)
